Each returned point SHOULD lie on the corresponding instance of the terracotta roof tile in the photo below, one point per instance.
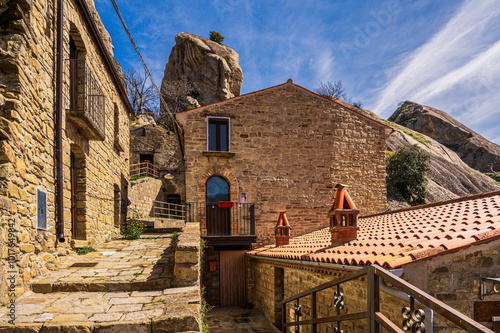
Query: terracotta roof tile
(393, 239)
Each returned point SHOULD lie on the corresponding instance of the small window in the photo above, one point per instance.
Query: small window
(218, 134)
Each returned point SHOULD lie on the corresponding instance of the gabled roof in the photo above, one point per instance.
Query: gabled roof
(290, 83)
(393, 239)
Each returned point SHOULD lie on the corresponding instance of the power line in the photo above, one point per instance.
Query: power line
(162, 101)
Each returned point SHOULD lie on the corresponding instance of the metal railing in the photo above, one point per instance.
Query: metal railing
(238, 220)
(169, 210)
(412, 318)
(145, 169)
(87, 101)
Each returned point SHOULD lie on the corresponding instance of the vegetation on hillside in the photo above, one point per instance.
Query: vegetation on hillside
(407, 170)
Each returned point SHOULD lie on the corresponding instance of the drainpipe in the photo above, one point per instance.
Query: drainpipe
(59, 145)
(429, 314)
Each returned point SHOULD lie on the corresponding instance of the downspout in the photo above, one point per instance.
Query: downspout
(59, 145)
(429, 314)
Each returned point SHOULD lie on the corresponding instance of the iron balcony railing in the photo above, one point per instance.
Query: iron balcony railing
(145, 169)
(169, 210)
(87, 103)
(307, 310)
(223, 218)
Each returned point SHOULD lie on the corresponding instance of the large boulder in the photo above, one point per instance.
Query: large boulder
(449, 178)
(472, 148)
(202, 69)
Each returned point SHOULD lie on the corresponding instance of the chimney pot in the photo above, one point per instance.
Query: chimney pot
(343, 217)
(282, 229)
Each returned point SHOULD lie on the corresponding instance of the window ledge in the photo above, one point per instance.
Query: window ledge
(226, 154)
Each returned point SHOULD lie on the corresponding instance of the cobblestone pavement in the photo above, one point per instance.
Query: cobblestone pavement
(119, 264)
(128, 286)
(236, 319)
(101, 306)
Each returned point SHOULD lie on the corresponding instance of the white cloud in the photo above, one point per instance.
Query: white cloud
(445, 60)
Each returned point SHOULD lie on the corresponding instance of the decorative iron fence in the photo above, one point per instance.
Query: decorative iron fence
(87, 101)
(223, 218)
(412, 317)
(145, 169)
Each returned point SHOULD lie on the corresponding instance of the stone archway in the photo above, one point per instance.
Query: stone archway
(233, 194)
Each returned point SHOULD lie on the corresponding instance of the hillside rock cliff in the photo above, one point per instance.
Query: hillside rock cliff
(449, 178)
(472, 148)
(200, 71)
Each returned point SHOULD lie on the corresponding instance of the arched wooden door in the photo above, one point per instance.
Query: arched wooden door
(218, 218)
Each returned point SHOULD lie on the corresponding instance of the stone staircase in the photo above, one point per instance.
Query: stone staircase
(145, 285)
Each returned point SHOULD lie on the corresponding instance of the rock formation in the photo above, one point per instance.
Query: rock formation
(473, 149)
(202, 69)
(450, 177)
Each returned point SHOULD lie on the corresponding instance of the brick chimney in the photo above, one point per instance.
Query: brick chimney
(343, 217)
(282, 229)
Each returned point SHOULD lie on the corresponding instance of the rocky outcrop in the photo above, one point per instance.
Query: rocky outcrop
(202, 69)
(472, 148)
(450, 177)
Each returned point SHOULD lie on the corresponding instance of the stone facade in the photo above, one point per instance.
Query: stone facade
(288, 148)
(270, 283)
(27, 142)
(455, 278)
(163, 145)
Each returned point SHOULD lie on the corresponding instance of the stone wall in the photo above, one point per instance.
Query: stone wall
(142, 193)
(164, 146)
(27, 148)
(269, 283)
(211, 279)
(288, 149)
(455, 278)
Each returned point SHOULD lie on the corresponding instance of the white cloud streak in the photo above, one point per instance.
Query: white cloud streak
(461, 50)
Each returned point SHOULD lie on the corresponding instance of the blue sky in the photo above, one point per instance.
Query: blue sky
(445, 54)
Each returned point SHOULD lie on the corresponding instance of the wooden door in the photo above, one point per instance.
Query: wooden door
(232, 278)
(218, 220)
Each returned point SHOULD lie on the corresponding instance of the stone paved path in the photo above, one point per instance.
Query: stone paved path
(122, 265)
(127, 291)
(235, 319)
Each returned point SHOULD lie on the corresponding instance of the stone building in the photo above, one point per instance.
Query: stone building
(283, 147)
(63, 136)
(155, 152)
(447, 249)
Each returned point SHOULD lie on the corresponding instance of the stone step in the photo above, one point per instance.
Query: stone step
(102, 286)
(167, 310)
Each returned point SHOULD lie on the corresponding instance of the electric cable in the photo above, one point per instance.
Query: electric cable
(146, 69)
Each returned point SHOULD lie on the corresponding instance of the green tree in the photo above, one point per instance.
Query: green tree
(407, 170)
(216, 37)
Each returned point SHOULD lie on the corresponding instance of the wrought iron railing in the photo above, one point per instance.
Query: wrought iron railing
(169, 210)
(145, 169)
(87, 103)
(412, 318)
(219, 219)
